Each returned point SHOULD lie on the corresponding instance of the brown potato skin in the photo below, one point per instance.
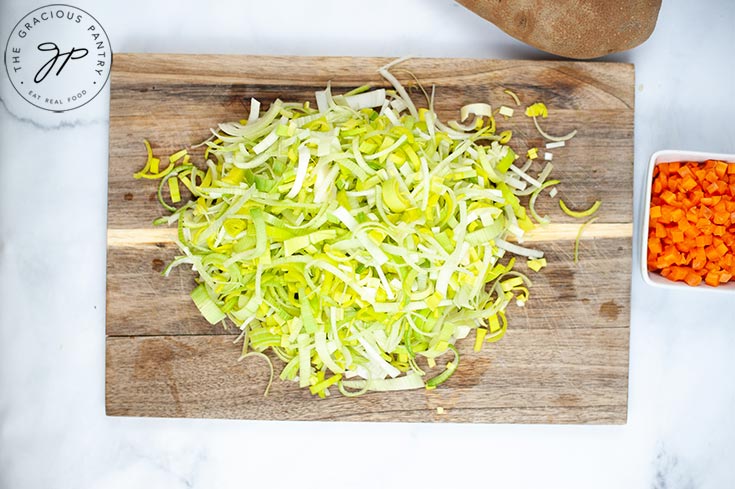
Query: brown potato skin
(572, 28)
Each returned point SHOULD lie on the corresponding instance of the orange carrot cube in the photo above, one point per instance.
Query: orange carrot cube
(712, 278)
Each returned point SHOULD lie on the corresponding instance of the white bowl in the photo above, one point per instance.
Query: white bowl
(667, 156)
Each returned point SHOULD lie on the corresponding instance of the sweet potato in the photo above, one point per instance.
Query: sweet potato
(580, 29)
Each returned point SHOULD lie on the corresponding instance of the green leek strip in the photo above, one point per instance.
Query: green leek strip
(579, 237)
(566, 137)
(361, 385)
(407, 382)
(211, 312)
(580, 214)
(170, 174)
(324, 384)
(513, 96)
(534, 196)
(350, 238)
(173, 188)
(450, 368)
(270, 366)
(479, 338)
(537, 264)
(498, 328)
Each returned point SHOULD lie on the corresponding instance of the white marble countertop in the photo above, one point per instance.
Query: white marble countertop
(53, 430)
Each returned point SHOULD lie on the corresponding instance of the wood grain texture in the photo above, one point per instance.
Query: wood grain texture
(586, 295)
(199, 376)
(565, 357)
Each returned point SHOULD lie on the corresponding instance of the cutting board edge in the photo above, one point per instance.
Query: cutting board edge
(126, 54)
(627, 66)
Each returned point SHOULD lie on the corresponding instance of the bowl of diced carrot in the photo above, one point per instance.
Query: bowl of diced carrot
(689, 221)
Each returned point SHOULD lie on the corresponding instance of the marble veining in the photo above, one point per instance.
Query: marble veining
(62, 124)
(671, 473)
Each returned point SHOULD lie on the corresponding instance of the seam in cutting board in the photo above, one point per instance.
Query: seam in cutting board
(552, 232)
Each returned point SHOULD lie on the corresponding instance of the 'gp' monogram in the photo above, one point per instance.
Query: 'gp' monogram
(49, 65)
(58, 57)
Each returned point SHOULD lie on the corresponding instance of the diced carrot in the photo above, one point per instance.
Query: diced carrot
(669, 197)
(692, 215)
(691, 233)
(712, 278)
(674, 183)
(688, 183)
(685, 248)
(720, 168)
(693, 279)
(696, 196)
(721, 217)
(684, 171)
(712, 253)
(657, 186)
(665, 214)
(678, 273)
(692, 222)
(654, 245)
(699, 260)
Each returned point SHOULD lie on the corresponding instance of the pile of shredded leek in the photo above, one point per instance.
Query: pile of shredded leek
(359, 240)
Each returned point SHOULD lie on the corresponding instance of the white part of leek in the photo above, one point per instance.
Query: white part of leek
(374, 98)
(518, 250)
(301, 169)
(254, 110)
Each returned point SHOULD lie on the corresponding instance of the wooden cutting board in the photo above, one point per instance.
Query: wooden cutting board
(564, 358)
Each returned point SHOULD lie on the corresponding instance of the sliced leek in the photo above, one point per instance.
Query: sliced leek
(356, 240)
